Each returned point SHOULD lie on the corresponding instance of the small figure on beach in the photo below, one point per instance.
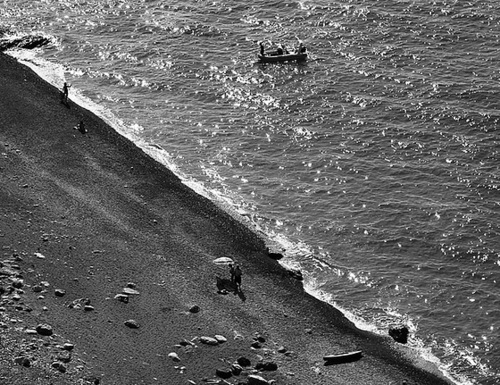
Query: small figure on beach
(237, 278)
(231, 271)
(65, 91)
(81, 127)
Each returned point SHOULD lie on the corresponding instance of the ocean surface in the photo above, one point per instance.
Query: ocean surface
(374, 165)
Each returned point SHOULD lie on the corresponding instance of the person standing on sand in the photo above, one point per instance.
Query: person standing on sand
(237, 277)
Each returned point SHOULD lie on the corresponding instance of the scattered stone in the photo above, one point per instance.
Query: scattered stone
(308, 331)
(79, 303)
(122, 298)
(64, 356)
(23, 361)
(174, 357)
(130, 291)
(399, 334)
(268, 366)
(17, 283)
(220, 339)
(37, 288)
(40, 255)
(256, 345)
(194, 309)
(236, 369)
(256, 380)
(131, 285)
(223, 373)
(259, 338)
(59, 366)
(208, 341)
(31, 331)
(185, 342)
(44, 330)
(60, 292)
(69, 347)
(133, 324)
(282, 349)
(88, 308)
(243, 361)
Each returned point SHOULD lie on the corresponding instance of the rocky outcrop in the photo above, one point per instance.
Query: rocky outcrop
(26, 42)
(399, 334)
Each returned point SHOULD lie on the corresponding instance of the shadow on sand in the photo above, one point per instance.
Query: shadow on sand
(225, 286)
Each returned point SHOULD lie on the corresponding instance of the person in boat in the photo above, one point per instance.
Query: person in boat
(301, 49)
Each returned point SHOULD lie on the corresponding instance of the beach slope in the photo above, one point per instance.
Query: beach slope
(107, 273)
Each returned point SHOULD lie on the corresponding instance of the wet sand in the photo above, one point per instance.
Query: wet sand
(95, 233)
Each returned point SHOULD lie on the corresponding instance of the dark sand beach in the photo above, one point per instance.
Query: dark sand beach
(89, 216)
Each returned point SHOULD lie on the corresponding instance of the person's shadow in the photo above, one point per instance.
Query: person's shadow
(225, 286)
(64, 100)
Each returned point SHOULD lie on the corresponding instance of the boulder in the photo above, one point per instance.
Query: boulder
(122, 298)
(67, 346)
(44, 330)
(236, 369)
(59, 366)
(267, 366)
(60, 292)
(399, 334)
(243, 361)
(256, 345)
(209, 341)
(130, 291)
(17, 283)
(223, 373)
(133, 324)
(174, 357)
(23, 361)
(194, 309)
(64, 356)
(223, 261)
(220, 339)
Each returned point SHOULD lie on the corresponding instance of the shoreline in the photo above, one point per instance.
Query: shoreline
(89, 214)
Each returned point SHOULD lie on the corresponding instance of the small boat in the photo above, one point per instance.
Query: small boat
(343, 358)
(283, 58)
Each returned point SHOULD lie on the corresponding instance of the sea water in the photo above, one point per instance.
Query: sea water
(374, 165)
